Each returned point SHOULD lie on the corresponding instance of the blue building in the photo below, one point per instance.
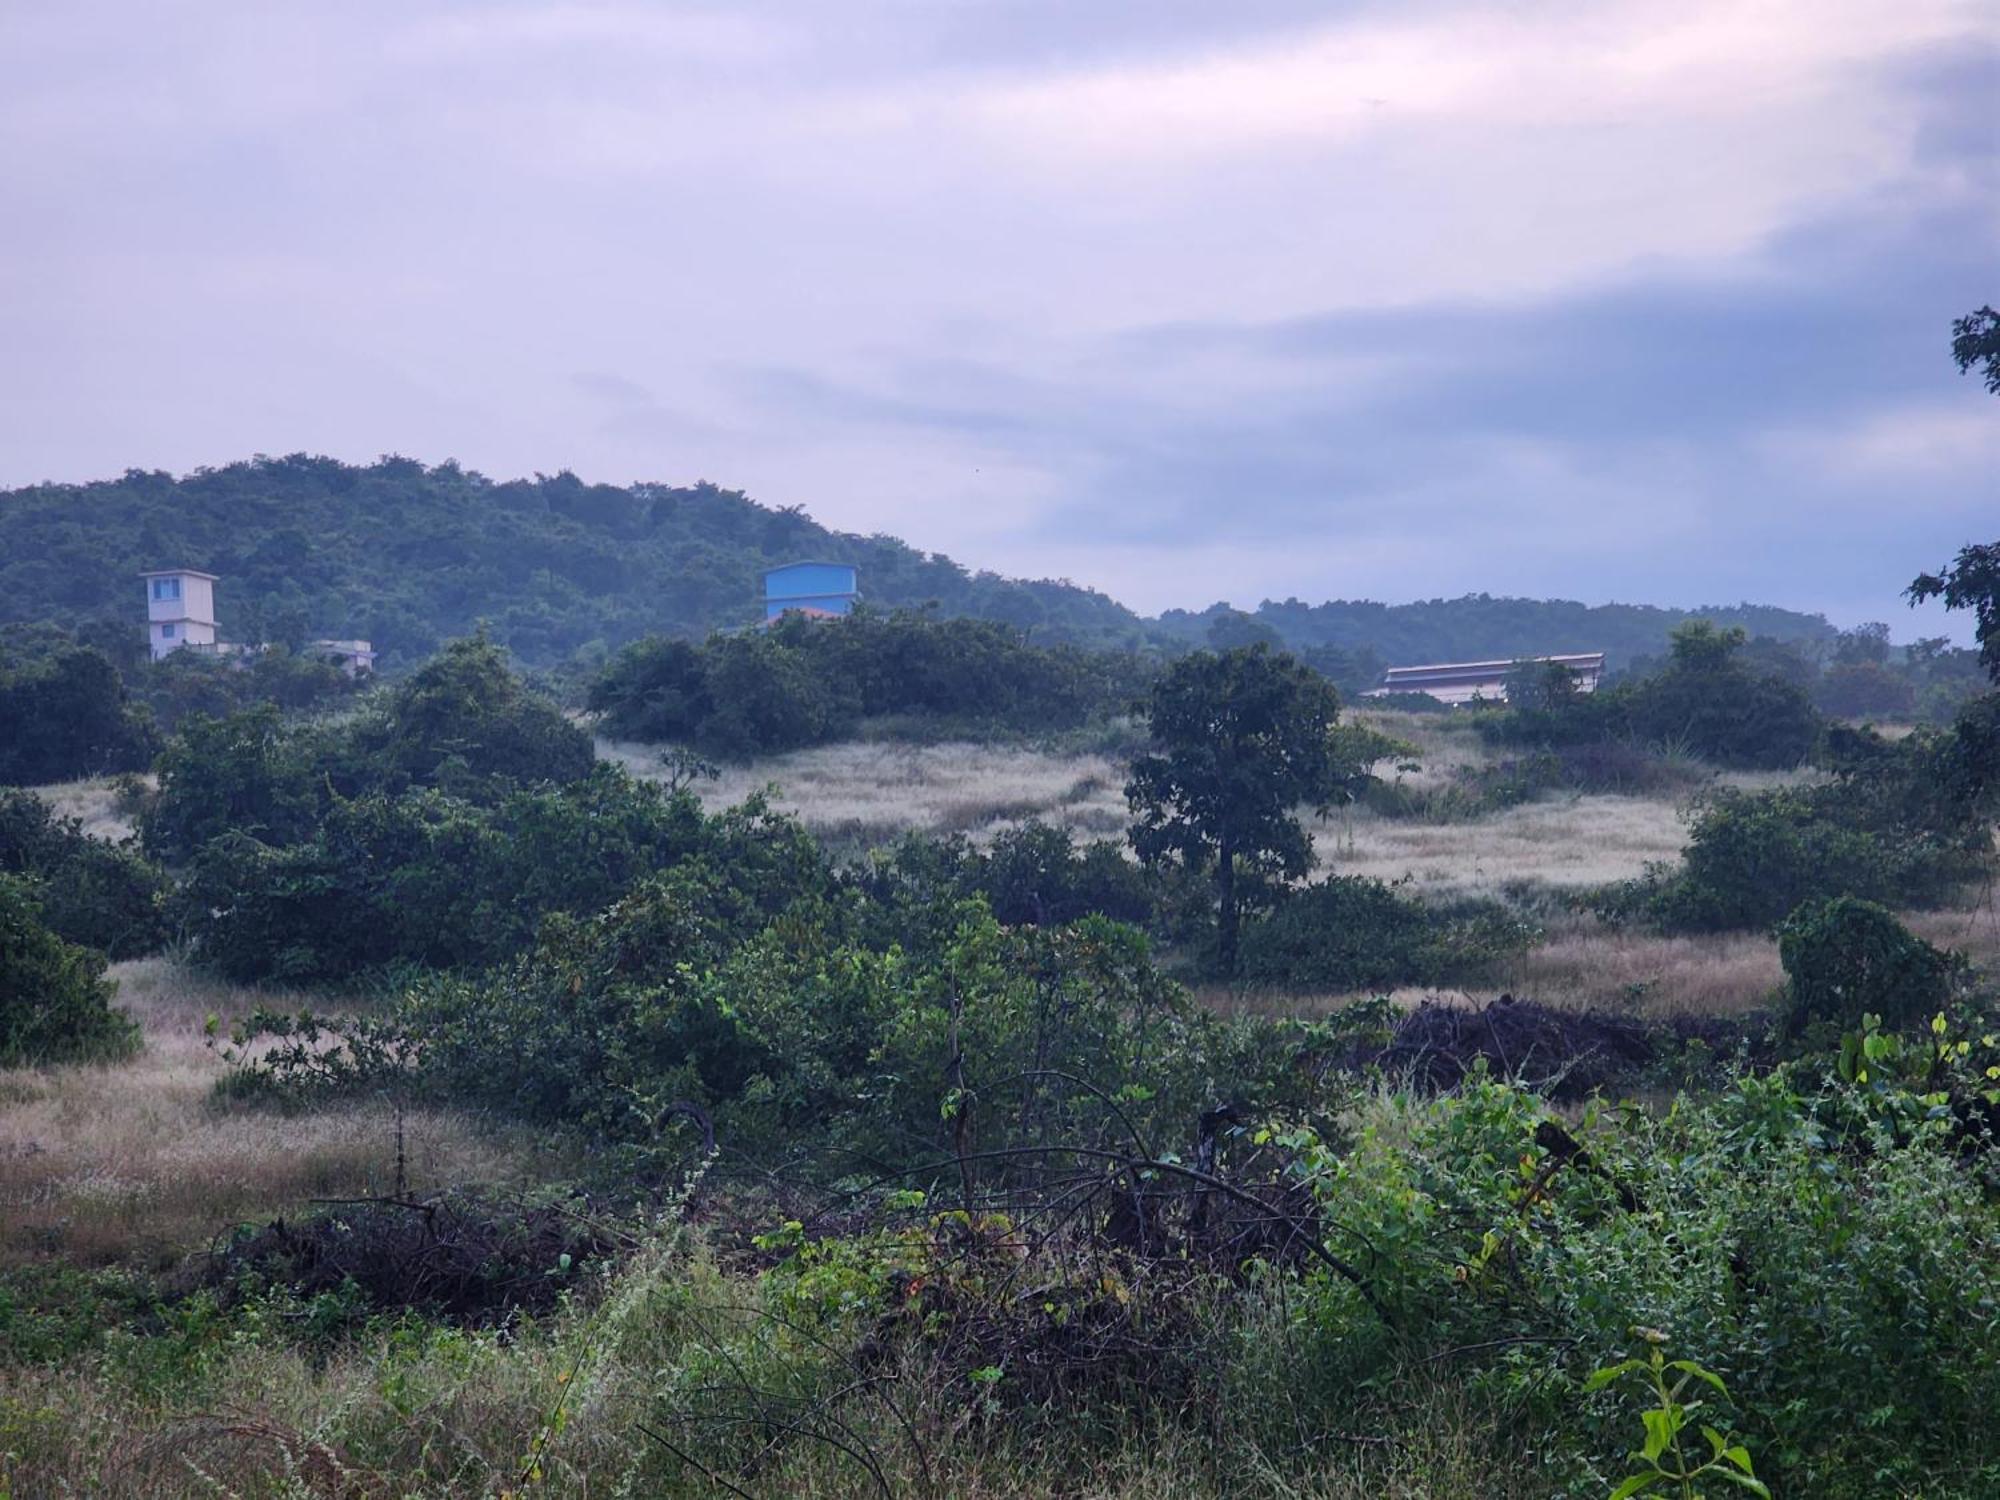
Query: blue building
(813, 588)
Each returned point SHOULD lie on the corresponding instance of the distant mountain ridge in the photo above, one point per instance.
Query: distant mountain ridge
(408, 555)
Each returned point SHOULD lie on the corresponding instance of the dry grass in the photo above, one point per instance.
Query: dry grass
(1563, 843)
(876, 791)
(94, 802)
(1446, 744)
(1585, 964)
(136, 1163)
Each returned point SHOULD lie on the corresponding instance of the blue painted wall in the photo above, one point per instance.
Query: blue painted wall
(809, 585)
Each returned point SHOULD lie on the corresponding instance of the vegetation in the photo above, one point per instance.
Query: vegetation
(1243, 738)
(92, 892)
(1707, 701)
(65, 713)
(1848, 959)
(596, 1138)
(804, 682)
(55, 1005)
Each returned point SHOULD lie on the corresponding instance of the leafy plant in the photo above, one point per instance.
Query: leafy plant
(1846, 958)
(1663, 1463)
(55, 1003)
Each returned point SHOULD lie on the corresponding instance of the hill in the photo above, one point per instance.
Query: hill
(1482, 627)
(409, 555)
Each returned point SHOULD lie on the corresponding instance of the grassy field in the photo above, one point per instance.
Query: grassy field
(869, 792)
(137, 1163)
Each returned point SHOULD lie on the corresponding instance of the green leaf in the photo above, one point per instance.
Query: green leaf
(1744, 1482)
(1599, 1379)
(1637, 1483)
(1660, 1427)
(1699, 1373)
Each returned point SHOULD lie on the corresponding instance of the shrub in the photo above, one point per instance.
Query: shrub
(65, 715)
(1903, 823)
(462, 721)
(1348, 932)
(802, 682)
(55, 1003)
(463, 724)
(1810, 1278)
(430, 879)
(1847, 958)
(1707, 700)
(99, 894)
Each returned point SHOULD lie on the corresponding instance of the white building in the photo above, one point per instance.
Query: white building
(352, 657)
(1462, 682)
(180, 615)
(180, 610)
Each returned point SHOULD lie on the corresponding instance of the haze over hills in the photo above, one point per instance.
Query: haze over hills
(409, 555)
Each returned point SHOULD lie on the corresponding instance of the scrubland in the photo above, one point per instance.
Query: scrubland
(871, 791)
(137, 1165)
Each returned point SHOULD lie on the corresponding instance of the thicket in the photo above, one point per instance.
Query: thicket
(803, 682)
(1846, 959)
(1901, 822)
(463, 724)
(1706, 701)
(93, 892)
(1347, 932)
(65, 714)
(55, 1003)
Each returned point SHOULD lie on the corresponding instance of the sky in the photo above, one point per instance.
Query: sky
(1186, 301)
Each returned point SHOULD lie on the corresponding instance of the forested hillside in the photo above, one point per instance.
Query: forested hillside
(1481, 627)
(409, 556)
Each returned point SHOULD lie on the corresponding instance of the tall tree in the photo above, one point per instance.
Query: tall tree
(1242, 740)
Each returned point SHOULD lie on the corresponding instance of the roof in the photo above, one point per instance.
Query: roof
(809, 562)
(1502, 667)
(181, 573)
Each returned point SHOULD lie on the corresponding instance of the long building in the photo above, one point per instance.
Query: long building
(1461, 682)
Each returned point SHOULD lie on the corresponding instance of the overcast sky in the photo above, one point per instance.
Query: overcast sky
(1183, 299)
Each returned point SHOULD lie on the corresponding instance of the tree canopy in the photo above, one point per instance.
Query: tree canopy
(1242, 739)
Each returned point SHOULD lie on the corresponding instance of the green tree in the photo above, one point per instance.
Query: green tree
(1970, 581)
(55, 1003)
(1244, 739)
(1975, 340)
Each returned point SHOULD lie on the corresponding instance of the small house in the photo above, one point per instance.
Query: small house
(810, 588)
(180, 611)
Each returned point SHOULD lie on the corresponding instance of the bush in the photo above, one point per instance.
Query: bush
(102, 895)
(64, 715)
(1707, 701)
(1848, 958)
(1903, 823)
(792, 1039)
(434, 880)
(1032, 874)
(55, 1003)
(463, 724)
(802, 682)
(1348, 932)
(1812, 1279)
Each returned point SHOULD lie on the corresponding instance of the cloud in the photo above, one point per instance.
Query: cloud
(1637, 299)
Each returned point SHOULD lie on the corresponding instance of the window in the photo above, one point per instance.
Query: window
(166, 632)
(166, 588)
